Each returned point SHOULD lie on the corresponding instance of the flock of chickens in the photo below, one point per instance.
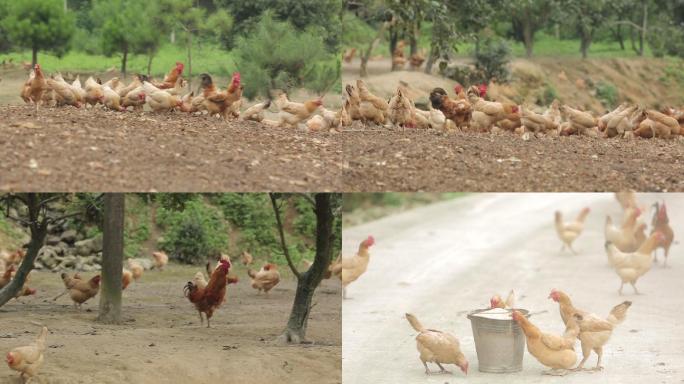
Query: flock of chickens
(167, 96)
(631, 253)
(206, 296)
(471, 111)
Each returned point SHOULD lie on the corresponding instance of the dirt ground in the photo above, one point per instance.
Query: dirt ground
(69, 149)
(446, 259)
(417, 160)
(163, 342)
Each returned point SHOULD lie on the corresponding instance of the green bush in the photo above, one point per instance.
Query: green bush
(492, 59)
(305, 222)
(275, 55)
(607, 93)
(549, 95)
(194, 233)
(253, 215)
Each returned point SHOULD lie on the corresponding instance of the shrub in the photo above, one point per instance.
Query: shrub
(492, 59)
(253, 216)
(193, 233)
(607, 93)
(549, 95)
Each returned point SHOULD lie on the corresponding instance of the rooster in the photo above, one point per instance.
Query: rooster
(459, 111)
(209, 298)
(355, 266)
(661, 223)
(219, 103)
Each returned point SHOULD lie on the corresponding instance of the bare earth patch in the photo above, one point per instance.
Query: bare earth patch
(69, 149)
(391, 160)
(163, 342)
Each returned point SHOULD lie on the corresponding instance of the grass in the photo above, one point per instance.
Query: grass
(205, 58)
(359, 208)
(10, 234)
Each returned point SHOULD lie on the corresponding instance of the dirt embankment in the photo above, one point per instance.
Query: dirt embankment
(162, 341)
(586, 83)
(69, 149)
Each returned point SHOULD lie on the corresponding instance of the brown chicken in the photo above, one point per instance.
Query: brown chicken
(126, 278)
(371, 106)
(554, 351)
(7, 276)
(623, 238)
(353, 104)
(437, 347)
(94, 92)
(28, 359)
(569, 231)
(487, 113)
(160, 259)
(209, 298)
(80, 290)
(401, 110)
(630, 266)
(265, 279)
(247, 258)
(459, 111)
(594, 331)
(355, 266)
(292, 113)
(172, 77)
(136, 269)
(38, 86)
(160, 100)
(219, 103)
(256, 112)
(661, 223)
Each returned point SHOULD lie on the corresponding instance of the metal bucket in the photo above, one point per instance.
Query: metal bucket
(500, 343)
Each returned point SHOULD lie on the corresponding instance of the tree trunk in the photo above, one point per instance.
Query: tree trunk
(189, 60)
(363, 72)
(149, 62)
(585, 42)
(644, 25)
(38, 233)
(295, 332)
(430, 61)
(34, 56)
(366, 55)
(112, 259)
(619, 37)
(413, 39)
(124, 59)
(528, 36)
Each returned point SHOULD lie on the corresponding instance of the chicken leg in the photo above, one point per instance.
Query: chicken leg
(442, 369)
(599, 352)
(556, 372)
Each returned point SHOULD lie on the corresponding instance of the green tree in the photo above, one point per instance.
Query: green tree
(38, 25)
(276, 55)
(123, 26)
(528, 17)
(587, 16)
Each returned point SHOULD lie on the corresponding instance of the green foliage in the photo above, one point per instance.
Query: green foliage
(219, 26)
(123, 26)
(194, 233)
(492, 59)
(550, 94)
(174, 201)
(607, 93)
(37, 24)
(321, 17)
(137, 225)
(276, 55)
(253, 216)
(305, 222)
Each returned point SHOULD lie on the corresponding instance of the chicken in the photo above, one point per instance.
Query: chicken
(38, 86)
(78, 90)
(497, 302)
(437, 347)
(94, 92)
(348, 55)
(436, 119)
(230, 279)
(15, 257)
(490, 112)
(534, 122)
(661, 223)
(292, 113)
(26, 88)
(459, 111)
(355, 266)
(136, 269)
(256, 111)
(624, 121)
(343, 115)
(594, 331)
(265, 279)
(28, 359)
(160, 259)
(64, 94)
(630, 266)
(324, 121)
(80, 290)
(209, 298)
(126, 278)
(159, 100)
(186, 103)
(111, 99)
(581, 123)
(353, 104)
(400, 110)
(554, 351)
(627, 199)
(247, 258)
(603, 120)
(569, 231)
(135, 98)
(416, 60)
(372, 107)
(173, 77)
(7, 276)
(623, 237)
(670, 125)
(125, 90)
(218, 103)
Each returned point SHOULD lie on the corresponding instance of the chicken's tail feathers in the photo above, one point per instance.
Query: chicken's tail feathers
(619, 312)
(413, 320)
(251, 273)
(188, 288)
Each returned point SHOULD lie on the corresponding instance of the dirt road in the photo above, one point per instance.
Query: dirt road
(69, 149)
(443, 260)
(162, 341)
(390, 160)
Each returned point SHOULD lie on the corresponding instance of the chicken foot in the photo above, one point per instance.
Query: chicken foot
(428, 372)
(636, 291)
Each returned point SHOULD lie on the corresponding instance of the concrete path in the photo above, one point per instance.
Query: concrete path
(443, 260)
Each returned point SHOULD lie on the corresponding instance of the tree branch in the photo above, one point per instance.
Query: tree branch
(283, 244)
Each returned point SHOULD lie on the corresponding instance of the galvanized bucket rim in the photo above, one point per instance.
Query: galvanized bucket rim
(471, 315)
